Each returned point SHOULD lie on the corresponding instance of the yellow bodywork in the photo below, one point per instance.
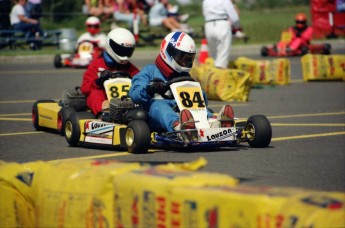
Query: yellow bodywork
(115, 136)
(48, 114)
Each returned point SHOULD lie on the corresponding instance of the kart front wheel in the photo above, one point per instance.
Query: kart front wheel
(63, 115)
(72, 127)
(58, 61)
(326, 49)
(35, 117)
(137, 137)
(304, 50)
(264, 51)
(258, 131)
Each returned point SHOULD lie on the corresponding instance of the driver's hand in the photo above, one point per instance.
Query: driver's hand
(105, 75)
(105, 105)
(156, 86)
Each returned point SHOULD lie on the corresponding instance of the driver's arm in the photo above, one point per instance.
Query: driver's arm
(139, 83)
(90, 75)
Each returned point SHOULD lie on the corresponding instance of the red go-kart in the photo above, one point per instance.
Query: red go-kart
(86, 52)
(282, 49)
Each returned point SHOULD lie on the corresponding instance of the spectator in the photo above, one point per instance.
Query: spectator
(33, 9)
(158, 16)
(220, 16)
(128, 11)
(29, 26)
(173, 11)
(5, 9)
(93, 33)
(109, 8)
(93, 7)
(119, 48)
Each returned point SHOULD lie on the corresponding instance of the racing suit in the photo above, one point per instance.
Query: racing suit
(300, 37)
(95, 94)
(161, 112)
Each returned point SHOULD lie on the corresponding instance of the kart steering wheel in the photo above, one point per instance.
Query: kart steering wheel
(95, 44)
(120, 74)
(168, 94)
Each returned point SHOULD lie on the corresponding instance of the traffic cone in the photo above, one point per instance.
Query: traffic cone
(203, 51)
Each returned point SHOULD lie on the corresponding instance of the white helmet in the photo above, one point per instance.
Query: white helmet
(93, 25)
(120, 45)
(178, 51)
(92, 21)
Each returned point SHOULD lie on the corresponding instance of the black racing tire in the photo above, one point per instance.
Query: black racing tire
(35, 113)
(258, 131)
(137, 137)
(264, 51)
(63, 115)
(58, 61)
(304, 50)
(327, 49)
(72, 127)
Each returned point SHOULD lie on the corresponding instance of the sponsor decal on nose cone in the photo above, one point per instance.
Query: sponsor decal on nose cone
(220, 135)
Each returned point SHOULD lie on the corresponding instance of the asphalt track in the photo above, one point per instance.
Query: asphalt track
(308, 120)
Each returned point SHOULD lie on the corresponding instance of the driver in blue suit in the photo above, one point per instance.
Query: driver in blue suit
(177, 53)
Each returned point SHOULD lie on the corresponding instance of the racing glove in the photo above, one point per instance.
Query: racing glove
(105, 75)
(156, 86)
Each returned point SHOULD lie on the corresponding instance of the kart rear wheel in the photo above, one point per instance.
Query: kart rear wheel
(304, 50)
(72, 127)
(137, 137)
(35, 113)
(258, 131)
(63, 115)
(58, 61)
(264, 51)
(326, 49)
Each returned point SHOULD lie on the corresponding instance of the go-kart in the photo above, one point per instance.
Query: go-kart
(256, 130)
(123, 125)
(282, 48)
(51, 115)
(86, 52)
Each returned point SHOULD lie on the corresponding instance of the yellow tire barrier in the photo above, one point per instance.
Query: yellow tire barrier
(276, 72)
(92, 193)
(323, 67)
(222, 84)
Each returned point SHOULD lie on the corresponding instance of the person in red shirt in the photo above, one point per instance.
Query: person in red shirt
(119, 48)
(302, 33)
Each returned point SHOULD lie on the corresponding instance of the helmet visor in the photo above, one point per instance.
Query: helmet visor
(120, 50)
(184, 59)
(301, 23)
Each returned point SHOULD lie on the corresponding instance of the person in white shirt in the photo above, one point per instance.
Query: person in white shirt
(93, 33)
(29, 26)
(220, 16)
(159, 15)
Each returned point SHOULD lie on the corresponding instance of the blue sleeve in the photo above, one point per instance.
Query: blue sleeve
(138, 92)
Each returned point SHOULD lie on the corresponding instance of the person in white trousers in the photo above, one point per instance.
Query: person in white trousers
(220, 16)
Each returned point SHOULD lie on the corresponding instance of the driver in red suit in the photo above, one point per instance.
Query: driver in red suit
(119, 48)
(302, 33)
